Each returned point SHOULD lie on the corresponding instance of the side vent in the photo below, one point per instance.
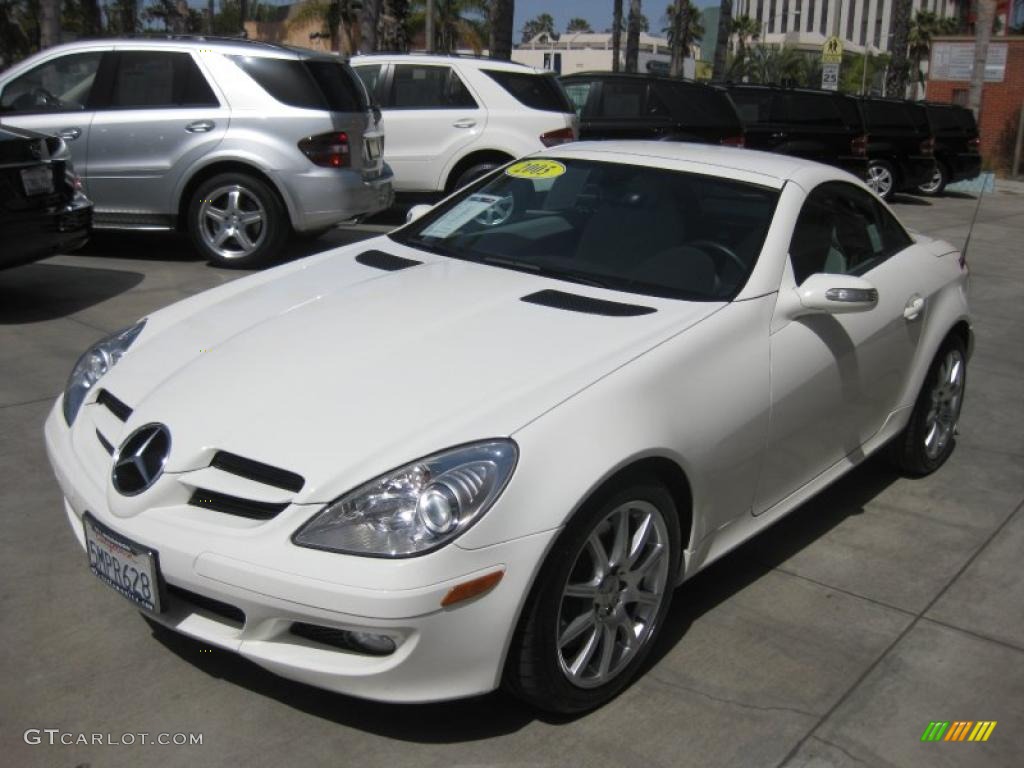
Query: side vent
(386, 261)
(257, 471)
(575, 303)
(112, 404)
(232, 505)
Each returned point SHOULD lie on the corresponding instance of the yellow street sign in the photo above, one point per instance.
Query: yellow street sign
(832, 51)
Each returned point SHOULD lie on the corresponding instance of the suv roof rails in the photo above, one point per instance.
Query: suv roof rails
(441, 54)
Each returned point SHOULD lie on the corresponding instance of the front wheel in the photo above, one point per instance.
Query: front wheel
(938, 182)
(237, 220)
(599, 601)
(881, 179)
(928, 439)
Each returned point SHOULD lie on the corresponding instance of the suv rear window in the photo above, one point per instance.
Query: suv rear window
(697, 105)
(307, 84)
(881, 115)
(535, 91)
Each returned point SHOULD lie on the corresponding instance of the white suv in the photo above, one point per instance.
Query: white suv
(450, 119)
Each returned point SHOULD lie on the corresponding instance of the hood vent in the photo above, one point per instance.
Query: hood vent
(257, 471)
(112, 404)
(575, 303)
(386, 261)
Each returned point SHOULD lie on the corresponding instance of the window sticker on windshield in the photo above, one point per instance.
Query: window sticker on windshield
(461, 214)
(535, 169)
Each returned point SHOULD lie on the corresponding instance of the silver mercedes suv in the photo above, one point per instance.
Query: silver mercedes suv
(238, 143)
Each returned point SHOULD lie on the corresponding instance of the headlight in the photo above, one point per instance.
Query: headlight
(97, 360)
(416, 508)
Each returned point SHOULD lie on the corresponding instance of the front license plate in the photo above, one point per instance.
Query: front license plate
(130, 568)
(373, 148)
(37, 180)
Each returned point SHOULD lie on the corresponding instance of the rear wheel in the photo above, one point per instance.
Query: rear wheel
(928, 439)
(881, 179)
(474, 172)
(937, 183)
(599, 601)
(237, 220)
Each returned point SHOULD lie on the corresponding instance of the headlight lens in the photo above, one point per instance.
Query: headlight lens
(416, 508)
(97, 360)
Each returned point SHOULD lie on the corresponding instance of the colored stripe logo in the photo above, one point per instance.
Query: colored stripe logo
(958, 730)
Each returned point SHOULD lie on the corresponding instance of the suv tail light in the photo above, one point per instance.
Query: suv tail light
(859, 145)
(560, 136)
(329, 150)
(974, 144)
(733, 141)
(928, 146)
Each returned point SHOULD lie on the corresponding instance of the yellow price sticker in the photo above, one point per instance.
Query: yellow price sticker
(535, 169)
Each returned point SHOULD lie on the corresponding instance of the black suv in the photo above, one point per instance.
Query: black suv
(633, 106)
(818, 125)
(956, 146)
(900, 145)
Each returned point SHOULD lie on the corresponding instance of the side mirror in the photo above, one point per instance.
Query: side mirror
(835, 295)
(415, 212)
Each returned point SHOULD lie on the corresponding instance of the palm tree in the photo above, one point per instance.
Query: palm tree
(49, 23)
(896, 80)
(616, 33)
(578, 25)
(393, 25)
(722, 44)
(455, 21)
(685, 24)
(982, 36)
(368, 17)
(745, 29)
(501, 18)
(773, 64)
(919, 45)
(336, 17)
(633, 36)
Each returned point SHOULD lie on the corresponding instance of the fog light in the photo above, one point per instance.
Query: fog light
(378, 645)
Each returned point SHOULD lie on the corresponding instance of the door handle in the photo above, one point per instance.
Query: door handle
(69, 134)
(464, 123)
(914, 306)
(200, 126)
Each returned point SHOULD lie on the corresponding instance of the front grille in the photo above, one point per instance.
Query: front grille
(225, 611)
(257, 471)
(112, 404)
(233, 505)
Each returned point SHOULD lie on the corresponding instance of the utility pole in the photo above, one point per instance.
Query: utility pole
(982, 36)
(680, 21)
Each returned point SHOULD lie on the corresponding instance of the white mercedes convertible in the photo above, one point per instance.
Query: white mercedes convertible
(484, 449)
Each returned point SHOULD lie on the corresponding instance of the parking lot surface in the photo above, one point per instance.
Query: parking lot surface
(832, 640)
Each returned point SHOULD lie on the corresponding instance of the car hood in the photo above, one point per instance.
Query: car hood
(339, 371)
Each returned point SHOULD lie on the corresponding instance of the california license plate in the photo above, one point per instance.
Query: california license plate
(37, 180)
(122, 564)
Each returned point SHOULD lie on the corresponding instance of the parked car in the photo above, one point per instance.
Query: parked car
(635, 106)
(900, 145)
(237, 142)
(579, 381)
(451, 119)
(956, 146)
(42, 208)
(825, 126)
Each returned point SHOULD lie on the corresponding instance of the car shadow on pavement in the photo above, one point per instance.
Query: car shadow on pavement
(498, 713)
(910, 200)
(38, 292)
(140, 246)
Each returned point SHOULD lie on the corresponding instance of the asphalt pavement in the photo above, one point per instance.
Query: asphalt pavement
(834, 639)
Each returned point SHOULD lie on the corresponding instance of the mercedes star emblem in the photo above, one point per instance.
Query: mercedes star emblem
(140, 459)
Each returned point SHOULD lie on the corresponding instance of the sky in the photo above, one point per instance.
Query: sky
(597, 12)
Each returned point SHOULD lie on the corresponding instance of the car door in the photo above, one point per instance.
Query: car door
(836, 378)
(56, 97)
(430, 116)
(159, 115)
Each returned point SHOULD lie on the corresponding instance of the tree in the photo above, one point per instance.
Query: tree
(633, 36)
(175, 15)
(542, 25)
(49, 23)
(368, 25)
(502, 28)
(896, 80)
(578, 25)
(336, 18)
(773, 64)
(722, 44)
(616, 34)
(982, 36)
(919, 44)
(684, 26)
(745, 29)
(455, 21)
(393, 25)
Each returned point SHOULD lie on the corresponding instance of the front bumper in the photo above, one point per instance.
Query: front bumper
(441, 653)
(915, 170)
(37, 235)
(963, 166)
(319, 198)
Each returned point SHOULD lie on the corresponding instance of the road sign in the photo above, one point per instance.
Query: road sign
(830, 76)
(832, 51)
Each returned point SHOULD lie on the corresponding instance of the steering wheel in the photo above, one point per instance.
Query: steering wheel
(497, 213)
(716, 250)
(44, 98)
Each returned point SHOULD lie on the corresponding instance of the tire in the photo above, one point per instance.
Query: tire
(929, 437)
(473, 173)
(938, 183)
(246, 213)
(557, 660)
(881, 179)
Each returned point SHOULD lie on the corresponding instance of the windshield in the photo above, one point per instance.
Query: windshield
(618, 226)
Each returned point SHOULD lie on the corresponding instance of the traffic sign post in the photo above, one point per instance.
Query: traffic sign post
(831, 58)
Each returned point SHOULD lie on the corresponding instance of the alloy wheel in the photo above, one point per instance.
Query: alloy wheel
(232, 221)
(946, 399)
(932, 186)
(614, 593)
(880, 180)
